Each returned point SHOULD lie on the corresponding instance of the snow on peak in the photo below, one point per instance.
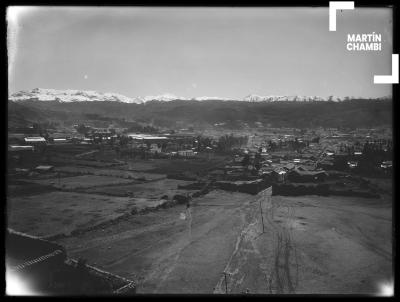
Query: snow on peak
(68, 96)
(287, 98)
(207, 98)
(166, 97)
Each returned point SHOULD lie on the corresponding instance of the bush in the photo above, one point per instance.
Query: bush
(181, 199)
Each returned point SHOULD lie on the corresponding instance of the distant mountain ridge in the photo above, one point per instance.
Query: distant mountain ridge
(206, 114)
(69, 96)
(294, 98)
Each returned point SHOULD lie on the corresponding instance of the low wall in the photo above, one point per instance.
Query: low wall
(249, 187)
(319, 189)
(297, 190)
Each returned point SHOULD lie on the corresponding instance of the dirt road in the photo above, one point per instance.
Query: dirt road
(313, 244)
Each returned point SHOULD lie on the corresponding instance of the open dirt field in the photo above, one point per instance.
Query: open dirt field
(74, 161)
(110, 172)
(139, 165)
(318, 245)
(62, 212)
(310, 245)
(163, 250)
(56, 212)
(197, 165)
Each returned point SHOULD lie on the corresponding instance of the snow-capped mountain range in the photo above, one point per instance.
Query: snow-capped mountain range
(277, 98)
(67, 96)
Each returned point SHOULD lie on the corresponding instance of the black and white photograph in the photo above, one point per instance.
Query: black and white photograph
(200, 150)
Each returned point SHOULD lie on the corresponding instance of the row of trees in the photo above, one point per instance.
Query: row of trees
(133, 127)
(228, 142)
(200, 143)
(294, 145)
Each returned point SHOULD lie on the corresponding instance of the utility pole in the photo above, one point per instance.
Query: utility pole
(226, 283)
(269, 283)
(262, 218)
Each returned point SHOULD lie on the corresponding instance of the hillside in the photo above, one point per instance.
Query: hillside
(231, 114)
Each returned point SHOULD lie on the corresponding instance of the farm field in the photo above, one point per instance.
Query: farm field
(109, 172)
(82, 181)
(76, 198)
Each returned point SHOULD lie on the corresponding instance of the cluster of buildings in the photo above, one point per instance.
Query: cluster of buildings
(27, 140)
(304, 157)
(277, 167)
(277, 151)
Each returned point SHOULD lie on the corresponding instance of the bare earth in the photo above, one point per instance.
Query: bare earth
(311, 244)
(62, 212)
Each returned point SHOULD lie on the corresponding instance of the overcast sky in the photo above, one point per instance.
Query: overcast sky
(224, 52)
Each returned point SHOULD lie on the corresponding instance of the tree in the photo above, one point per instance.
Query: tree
(257, 160)
(82, 129)
(246, 160)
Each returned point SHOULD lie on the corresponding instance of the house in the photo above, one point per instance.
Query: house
(308, 156)
(267, 163)
(288, 166)
(13, 148)
(266, 173)
(186, 153)
(34, 140)
(279, 174)
(60, 140)
(97, 132)
(155, 148)
(325, 164)
(86, 141)
(387, 165)
(43, 168)
(148, 138)
(352, 164)
(238, 159)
